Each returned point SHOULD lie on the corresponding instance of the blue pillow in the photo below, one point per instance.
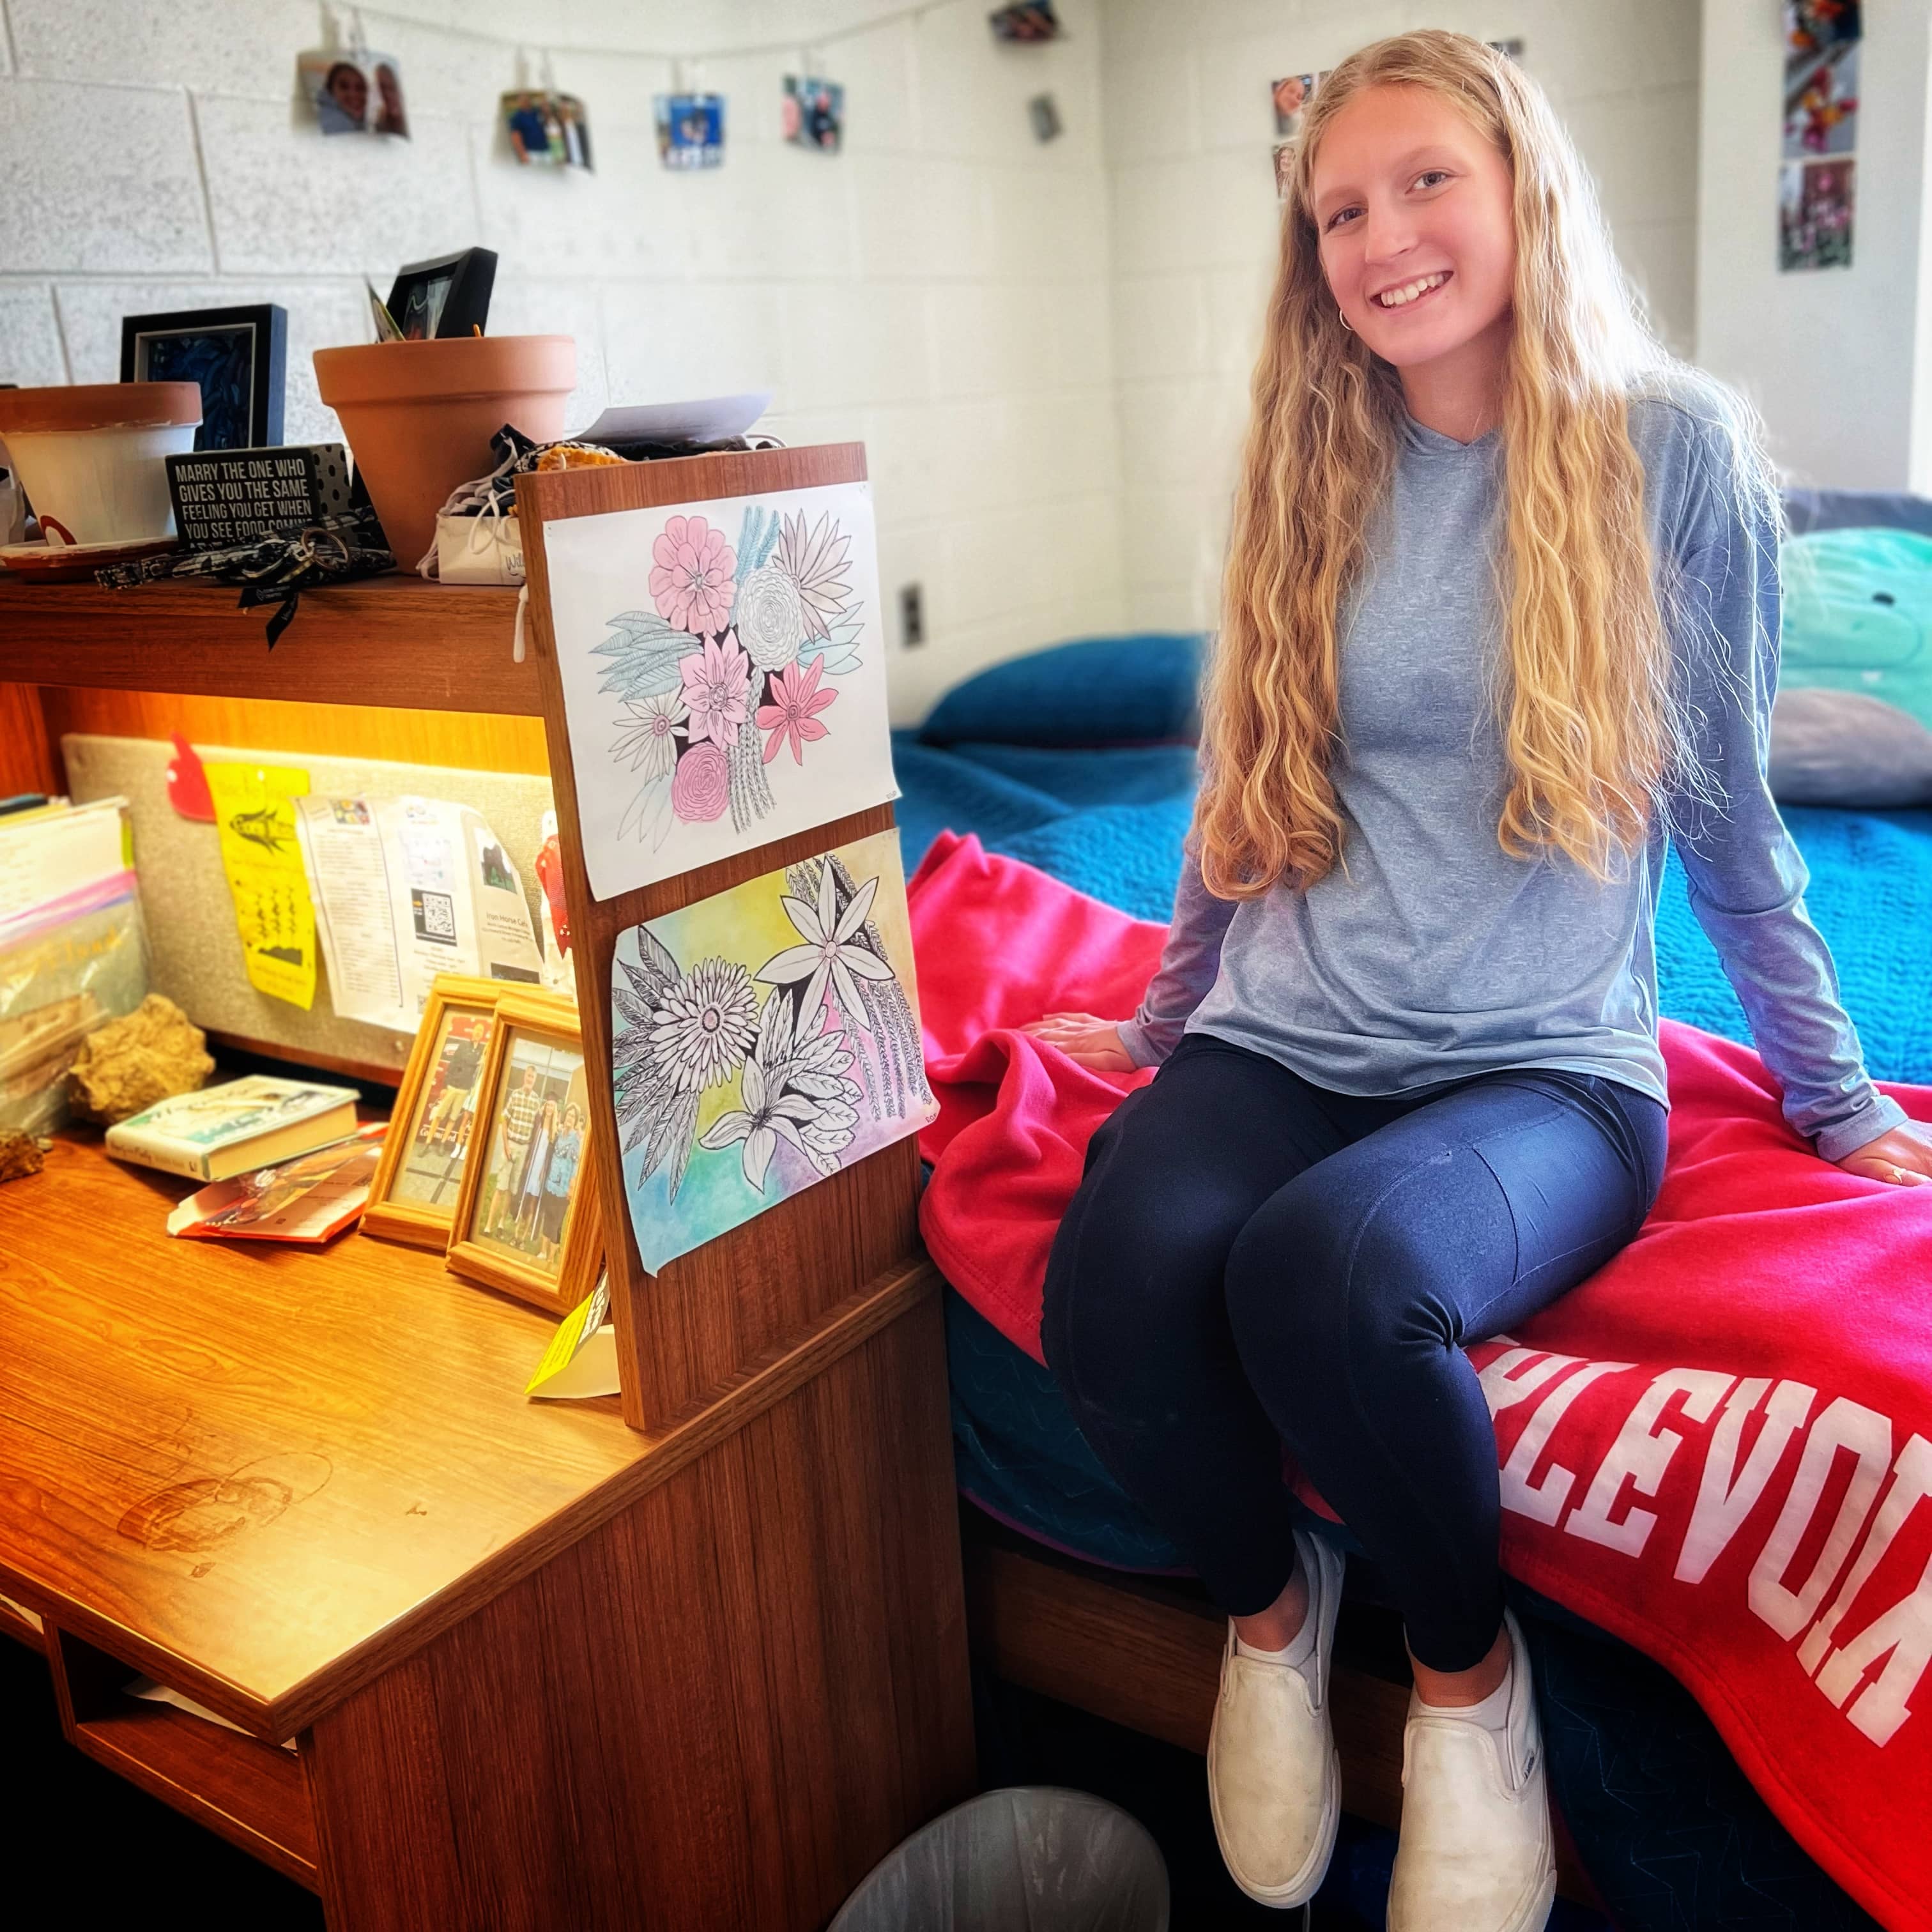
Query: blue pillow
(1134, 690)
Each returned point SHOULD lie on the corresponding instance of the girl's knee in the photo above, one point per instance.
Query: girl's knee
(1322, 1280)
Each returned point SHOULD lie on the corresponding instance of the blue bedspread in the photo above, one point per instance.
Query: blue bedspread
(1110, 822)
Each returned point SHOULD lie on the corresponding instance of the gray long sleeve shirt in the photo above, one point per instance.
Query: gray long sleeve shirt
(1436, 955)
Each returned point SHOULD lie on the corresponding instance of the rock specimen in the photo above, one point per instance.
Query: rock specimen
(130, 1063)
(20, 1154)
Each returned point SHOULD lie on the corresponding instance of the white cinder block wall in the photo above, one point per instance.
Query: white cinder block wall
(1190, 128)
(940, 290)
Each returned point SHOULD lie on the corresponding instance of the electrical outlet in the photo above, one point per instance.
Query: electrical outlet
(912, 617)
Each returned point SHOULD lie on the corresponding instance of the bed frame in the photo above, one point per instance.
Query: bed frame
(1145, 1652)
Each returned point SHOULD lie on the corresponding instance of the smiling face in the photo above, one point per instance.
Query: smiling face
(1412, 206)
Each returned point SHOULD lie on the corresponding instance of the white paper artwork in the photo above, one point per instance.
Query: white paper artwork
(723, 673)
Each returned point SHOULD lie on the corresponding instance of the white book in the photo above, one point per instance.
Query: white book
(236, 1127)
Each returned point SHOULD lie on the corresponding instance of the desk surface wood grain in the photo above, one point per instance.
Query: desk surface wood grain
(244, 1466)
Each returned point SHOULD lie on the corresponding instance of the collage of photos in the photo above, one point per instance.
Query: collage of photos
(1817, 177)
(533, 1153)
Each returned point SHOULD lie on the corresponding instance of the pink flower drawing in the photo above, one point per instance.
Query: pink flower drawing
(701, 785)
(796, 701)
(717, 683)
(692, 576)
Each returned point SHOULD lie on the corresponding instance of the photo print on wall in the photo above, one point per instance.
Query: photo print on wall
(1817, 176)
(761, 1039)
(351, 91)
(691, 129)
(813, 113)
(724, 674)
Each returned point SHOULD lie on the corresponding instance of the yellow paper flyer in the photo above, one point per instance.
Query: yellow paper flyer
(254, 812)
(582, 1357)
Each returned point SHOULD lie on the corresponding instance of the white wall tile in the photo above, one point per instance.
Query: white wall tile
(248, 49)
(1161, 326)
(287, 199)
(76, 201)
(844, 343)
(30, 338)
(880, 76)
(667, 341)
(918, 218)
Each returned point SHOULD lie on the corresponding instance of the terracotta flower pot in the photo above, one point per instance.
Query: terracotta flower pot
(89, 455)
(419, 416)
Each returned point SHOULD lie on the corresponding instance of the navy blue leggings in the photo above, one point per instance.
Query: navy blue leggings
(1251, 1259)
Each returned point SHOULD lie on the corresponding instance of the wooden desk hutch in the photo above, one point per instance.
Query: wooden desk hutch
(695, 1659)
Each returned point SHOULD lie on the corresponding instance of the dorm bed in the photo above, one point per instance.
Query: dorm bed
(1075, 1594)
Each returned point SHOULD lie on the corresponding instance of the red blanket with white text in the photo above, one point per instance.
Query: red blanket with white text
(1715, 1448)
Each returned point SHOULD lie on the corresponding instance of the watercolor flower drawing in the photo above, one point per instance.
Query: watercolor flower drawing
(744, 634)
(820, 1042)
(703, 1025)
(833, 956)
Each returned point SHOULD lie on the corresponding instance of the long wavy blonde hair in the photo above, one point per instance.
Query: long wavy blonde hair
(1590, 717)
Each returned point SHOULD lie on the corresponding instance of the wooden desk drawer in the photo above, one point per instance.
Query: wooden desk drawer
(256, 1795)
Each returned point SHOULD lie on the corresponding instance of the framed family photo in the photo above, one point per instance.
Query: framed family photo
(524, 1220)
(413, 1198)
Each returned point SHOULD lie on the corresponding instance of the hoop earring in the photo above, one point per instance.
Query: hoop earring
(1345, 322)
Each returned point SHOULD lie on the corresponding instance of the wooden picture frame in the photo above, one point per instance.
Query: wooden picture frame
(549, 1024)
(425, 1224)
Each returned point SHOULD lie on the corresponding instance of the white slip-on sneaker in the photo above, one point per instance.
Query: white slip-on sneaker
(1476, 1853)
(1274, 1783)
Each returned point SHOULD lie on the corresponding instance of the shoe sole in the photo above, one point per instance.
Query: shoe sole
(1307, 1882)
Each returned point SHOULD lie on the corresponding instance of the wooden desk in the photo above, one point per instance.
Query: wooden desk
(541, 1668)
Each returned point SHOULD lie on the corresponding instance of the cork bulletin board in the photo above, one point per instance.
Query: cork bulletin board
(196, 953)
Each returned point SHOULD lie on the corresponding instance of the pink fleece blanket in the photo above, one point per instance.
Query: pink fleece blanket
(1716, 1448)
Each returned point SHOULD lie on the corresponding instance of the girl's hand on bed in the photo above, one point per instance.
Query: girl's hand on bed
(1901, 1157)
(1084, 1040)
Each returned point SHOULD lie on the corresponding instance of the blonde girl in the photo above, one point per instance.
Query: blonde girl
(1500, 620)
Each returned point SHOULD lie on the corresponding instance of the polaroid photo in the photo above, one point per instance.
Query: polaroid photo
(1815, 214)
(814, 112)
(353, 92)
(691, 129)
(1291, 96)
(546, 130)
(1028, 21)
(1821, 102)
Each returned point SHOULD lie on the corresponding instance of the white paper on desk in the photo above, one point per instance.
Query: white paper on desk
(405, 889)
(723, 666)
(49, 855)
(711, 420)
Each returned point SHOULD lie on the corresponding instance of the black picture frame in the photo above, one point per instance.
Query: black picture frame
(447, 297)
(238, 356)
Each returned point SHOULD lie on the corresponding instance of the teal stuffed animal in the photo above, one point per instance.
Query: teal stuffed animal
(1852, 725)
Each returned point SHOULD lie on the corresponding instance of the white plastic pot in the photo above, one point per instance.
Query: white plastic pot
(89, 456)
